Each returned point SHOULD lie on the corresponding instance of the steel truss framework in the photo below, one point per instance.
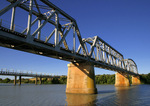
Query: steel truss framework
(30, 39)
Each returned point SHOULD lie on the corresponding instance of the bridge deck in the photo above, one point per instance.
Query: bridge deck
(26, 74)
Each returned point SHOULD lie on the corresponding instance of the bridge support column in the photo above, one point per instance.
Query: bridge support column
(40, 80)
(35, 80)
(15, 80)
(81, 78)
(136, 80)
(19, 80)
(122, 79)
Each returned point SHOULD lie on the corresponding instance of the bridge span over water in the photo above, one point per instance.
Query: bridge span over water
(51, 32)
(20, 74)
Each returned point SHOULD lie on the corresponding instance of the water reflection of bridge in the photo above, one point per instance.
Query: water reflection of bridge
(26, 74)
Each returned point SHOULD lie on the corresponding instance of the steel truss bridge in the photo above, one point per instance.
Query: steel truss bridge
(51, 32)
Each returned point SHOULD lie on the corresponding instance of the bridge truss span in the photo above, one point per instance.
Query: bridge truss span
(49, 31)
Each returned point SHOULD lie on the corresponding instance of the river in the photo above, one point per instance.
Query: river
(54, 95)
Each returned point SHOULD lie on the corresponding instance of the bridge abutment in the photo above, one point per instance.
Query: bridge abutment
(122, 79)
(81, 78)
(136, 80)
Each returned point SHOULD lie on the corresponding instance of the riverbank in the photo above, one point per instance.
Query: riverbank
(99, 79)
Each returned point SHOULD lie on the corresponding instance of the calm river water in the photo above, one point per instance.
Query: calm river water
(54, 95)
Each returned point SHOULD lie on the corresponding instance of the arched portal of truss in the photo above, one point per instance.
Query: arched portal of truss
(131, 65)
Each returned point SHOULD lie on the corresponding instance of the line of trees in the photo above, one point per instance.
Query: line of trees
(99, 79)
(145, 78)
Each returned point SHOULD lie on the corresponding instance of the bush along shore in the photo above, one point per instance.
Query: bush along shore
(99, 79)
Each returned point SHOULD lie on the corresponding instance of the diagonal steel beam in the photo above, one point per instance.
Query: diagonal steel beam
(64, 36)
(79, 48)
(80, 39)
(64, 41)
(58, 9)
(36, 13)
(93, 45)
(37, 6)
(9, 7)
(43, 24)
(31, 24)
(47, 39)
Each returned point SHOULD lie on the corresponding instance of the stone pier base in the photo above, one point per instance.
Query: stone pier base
(81, 78)
(122, 79)
(136, 80)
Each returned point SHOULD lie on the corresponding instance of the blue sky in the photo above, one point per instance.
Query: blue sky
(124, 24)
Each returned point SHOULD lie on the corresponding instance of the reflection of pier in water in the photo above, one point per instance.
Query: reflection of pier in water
(80, 99)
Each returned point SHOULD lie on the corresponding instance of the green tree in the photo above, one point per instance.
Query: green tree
(7, 80)
(26, 80)
(55, 81)
(143, 78)
(148, 78)
(1, 80)
(63, 79)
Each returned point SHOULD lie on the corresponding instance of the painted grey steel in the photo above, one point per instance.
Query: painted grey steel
(94, 49)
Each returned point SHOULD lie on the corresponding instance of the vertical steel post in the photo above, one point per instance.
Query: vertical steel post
(29, 19)
(117, 62)
(101, 55)
(39, 33)
(1, 22)
(107, 58)
(56, 29)
(114, 61)
(103, 52)
(74, 40)
(12, 19)
(124, 65)
(97, 53)
(110, 58)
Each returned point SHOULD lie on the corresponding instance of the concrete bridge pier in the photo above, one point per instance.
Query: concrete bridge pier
(81, 78)
(36, 81)
(40, 80)
(15, 80)
(136, 80)
(19, 80)
(122, 79)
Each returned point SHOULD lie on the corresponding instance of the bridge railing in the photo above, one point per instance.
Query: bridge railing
(6, 24)
(5, 71)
